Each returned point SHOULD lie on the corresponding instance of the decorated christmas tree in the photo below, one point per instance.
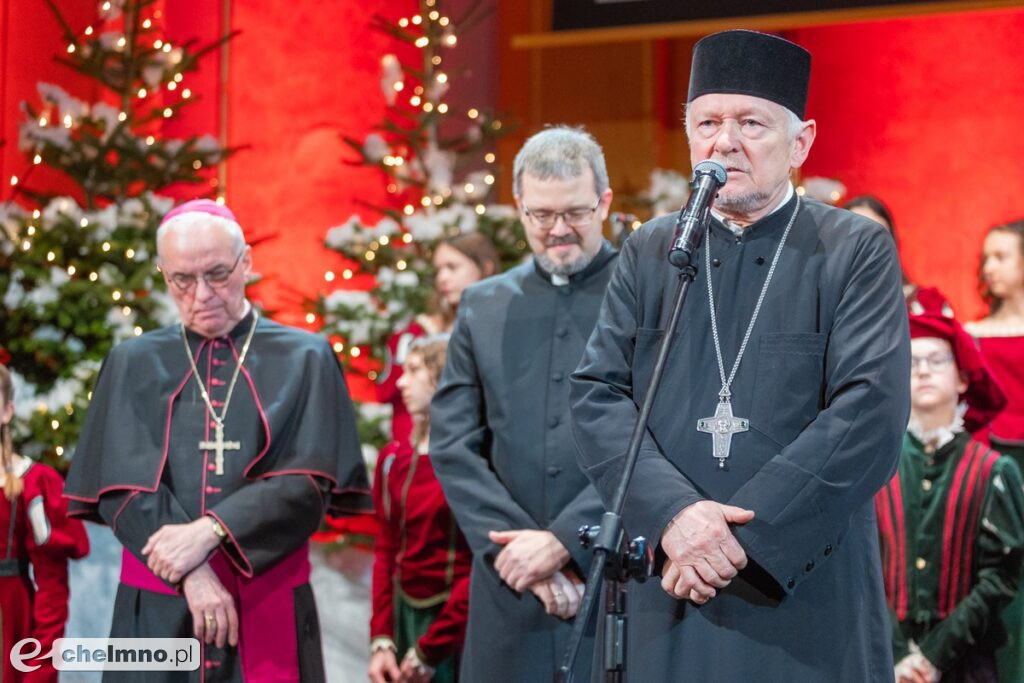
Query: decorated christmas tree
(77, 272)
(438, 167)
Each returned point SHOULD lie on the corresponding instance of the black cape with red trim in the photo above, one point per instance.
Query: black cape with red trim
(308, 422)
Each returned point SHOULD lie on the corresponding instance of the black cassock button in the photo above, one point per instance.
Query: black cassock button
(759, 260)
(715, 262)
(809, 566)
(828, 549)
(554, 471)
(790, 583)
(553, 422)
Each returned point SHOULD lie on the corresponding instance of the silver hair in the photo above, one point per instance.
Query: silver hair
(195, 218)
(560, 152)
(793, 123)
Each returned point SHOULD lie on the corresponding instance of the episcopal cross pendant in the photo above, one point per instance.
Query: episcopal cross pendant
(721, 427)
(220, 445)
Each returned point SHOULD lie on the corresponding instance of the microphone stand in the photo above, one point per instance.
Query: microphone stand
(615, 561)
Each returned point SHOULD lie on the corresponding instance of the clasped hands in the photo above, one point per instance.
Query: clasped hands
(534, 560)
(702, 553)
(915, 668)
(177, 553)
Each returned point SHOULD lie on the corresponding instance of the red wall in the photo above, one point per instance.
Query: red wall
(29, 38)
(925, 113)
(300, 75)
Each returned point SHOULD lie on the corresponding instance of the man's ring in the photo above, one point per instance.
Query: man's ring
(210, 620)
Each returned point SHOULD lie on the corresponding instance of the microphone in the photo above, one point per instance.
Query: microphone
(708, 177)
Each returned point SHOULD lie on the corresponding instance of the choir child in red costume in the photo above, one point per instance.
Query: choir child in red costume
(36, 532)
(421, 568)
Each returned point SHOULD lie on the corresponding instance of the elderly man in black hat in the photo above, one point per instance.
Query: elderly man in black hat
(794, 338)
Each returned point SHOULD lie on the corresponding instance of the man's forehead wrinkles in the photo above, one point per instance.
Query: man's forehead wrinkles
(196, 265)
(733, 110)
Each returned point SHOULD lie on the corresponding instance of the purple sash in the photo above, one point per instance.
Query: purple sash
(267, 640)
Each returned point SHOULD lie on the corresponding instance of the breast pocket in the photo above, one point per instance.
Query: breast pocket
(789, 387)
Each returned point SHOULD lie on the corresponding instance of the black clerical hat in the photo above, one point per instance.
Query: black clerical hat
(751, 63)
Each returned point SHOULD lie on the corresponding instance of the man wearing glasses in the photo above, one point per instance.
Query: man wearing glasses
(500, 438)
(212, 449)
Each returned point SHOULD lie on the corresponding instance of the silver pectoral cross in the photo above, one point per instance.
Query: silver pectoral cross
(721, 427)
(219, 445)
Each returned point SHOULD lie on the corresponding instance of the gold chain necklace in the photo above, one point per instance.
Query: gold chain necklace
(219, 445)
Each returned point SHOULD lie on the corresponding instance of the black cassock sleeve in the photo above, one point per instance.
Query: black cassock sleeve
(134, 516)
(585, 508)
(603, 412)
(805, 495)
(270, 518)
(459, 442)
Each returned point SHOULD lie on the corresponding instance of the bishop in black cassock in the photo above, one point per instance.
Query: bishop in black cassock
(820, 392)
(154, 464)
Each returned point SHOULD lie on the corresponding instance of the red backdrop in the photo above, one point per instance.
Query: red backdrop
(924, 112)
(299, 76)
(29, 39)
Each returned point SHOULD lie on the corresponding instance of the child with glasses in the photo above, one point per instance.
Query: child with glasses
(951, 520)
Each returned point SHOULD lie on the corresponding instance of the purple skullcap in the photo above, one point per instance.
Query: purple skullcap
(200, 206)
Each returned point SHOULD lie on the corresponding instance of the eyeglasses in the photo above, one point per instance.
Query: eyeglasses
(574, 218)
(215, 277)
(936, 361)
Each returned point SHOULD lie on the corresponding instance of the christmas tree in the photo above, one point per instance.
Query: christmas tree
(438, 167)
(77, 273)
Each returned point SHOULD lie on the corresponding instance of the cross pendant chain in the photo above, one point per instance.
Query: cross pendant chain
(219, 445)
(721, 426)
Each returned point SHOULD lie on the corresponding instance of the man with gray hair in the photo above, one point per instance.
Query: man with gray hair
(782, 407)
(500, 437)
(212, 449)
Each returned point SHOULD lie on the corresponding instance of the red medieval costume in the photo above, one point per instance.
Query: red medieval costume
(35, 530)
(1003, 349)
(421, 562)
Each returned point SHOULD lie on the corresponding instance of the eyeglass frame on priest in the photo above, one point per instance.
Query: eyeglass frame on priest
(546, 219)
(214, 278)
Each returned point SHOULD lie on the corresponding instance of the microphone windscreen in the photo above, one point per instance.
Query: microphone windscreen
(711, 167)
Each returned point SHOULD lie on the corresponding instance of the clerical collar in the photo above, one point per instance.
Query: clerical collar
(600, 258)
(737, 230)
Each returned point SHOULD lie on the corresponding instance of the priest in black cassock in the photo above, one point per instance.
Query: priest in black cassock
(213, 449)
(500, 437)
(781, 408)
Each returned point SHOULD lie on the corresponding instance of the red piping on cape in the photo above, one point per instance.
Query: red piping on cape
(163, 460)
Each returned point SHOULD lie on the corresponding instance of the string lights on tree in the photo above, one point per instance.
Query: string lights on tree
(77, 273)
(437, 166)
